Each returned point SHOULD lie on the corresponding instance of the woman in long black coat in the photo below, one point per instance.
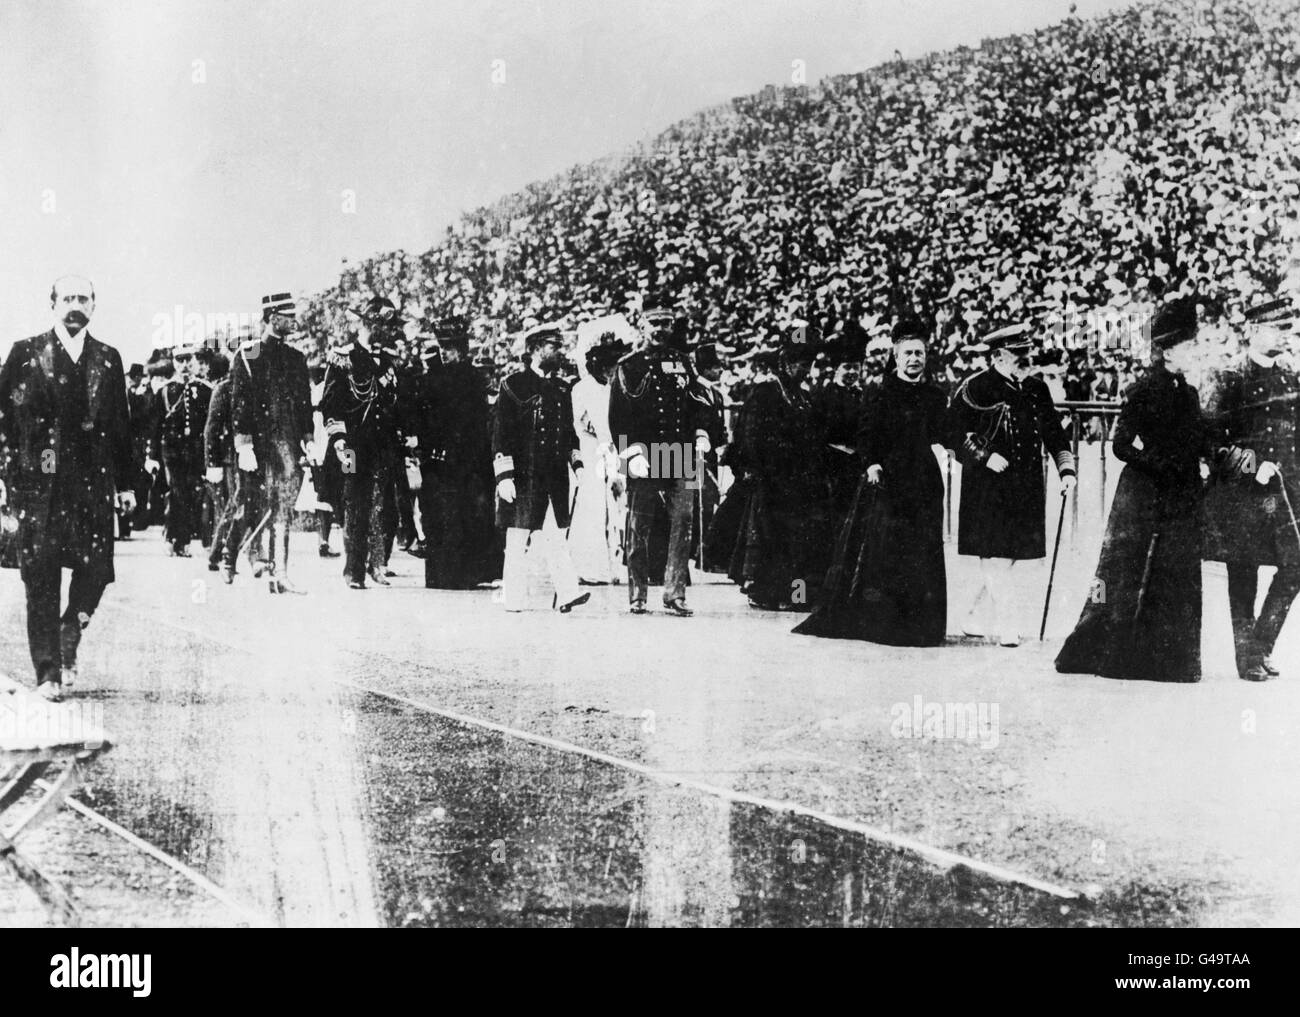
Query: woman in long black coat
(782, 549)
(887, 583)
(1143, 614)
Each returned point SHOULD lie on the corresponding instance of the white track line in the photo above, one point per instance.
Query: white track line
(175, 864)
(943, 859)
(938, 856)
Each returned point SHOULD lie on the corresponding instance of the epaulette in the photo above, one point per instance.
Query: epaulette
(339, 356)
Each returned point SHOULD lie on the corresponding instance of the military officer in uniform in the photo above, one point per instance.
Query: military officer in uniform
(1001, 420)
(270, 417)
(359, 406)
(661, 431)
(1255, 408)
(534, 446)
(180, 414)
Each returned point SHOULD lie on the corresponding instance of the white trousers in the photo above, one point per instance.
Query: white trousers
(555, 552)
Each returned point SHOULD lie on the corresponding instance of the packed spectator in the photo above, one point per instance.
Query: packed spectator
(1072, 176)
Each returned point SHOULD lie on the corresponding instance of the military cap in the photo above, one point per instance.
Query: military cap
(279, 303)
(540, 335)
(1013, 338)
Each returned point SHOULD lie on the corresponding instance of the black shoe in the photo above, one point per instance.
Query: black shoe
(1267, 664)
(577, 601)
(1256, 673)
(214, 566)
(325, 552)
(377, 577)
(638, 607)
(356, 584)
(178, 551)
(678, 607)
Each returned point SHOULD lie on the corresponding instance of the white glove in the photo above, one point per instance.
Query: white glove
(126, 501)
(152, 466)
(247, 459)
(1068, 482)
(638, 467)
(341, 450)
(702, 444)
(874, 473)
(996, 462)
(1266, 472)
(215, 474)
(412, 441)
(4, 494)
(506, 490)
(578, 473)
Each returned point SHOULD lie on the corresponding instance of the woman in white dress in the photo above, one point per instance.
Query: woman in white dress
(596, 534)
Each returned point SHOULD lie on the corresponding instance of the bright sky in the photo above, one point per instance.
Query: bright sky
(198, 154)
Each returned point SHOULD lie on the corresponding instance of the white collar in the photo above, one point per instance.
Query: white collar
(73, 344)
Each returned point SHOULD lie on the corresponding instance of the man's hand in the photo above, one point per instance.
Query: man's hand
(412, 441)
(638, 467)
(152, 466)
(996, 462)
(247, 459)
(578, 473)
(341, 450)
(702, 444)
(1205, 470)
(1068, 483)
(215, 474)
(4, 494)
(506, 490)
(1266, 472)
(874, 473)
(126, 502)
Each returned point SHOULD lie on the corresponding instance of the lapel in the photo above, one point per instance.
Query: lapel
(45, 356)
(95, 367)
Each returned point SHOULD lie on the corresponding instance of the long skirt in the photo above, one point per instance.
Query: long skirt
(1142, 619)
(887, 582)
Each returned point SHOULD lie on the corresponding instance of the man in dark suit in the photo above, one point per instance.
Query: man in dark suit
(270, 416)
(65, 443)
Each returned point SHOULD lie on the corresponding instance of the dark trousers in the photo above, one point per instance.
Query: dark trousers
(262, 503)
(1256, 636)
(405, 505)
(647, 500)
(184, 498)
(360, 482)
(53, 639)
(223, 507)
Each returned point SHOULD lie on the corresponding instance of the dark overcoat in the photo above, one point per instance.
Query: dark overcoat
(534, 444)
(1255, 413)
(66, 451)
(887, 582)
(1153, 538)
(1002, 514)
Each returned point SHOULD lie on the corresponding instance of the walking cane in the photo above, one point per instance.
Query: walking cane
(1286, 500)
(1146, 579)
(1051, 575)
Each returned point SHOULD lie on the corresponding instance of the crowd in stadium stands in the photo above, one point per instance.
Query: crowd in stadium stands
(1070, 177)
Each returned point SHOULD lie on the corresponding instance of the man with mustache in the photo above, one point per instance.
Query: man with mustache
(65, 444)
(1256, 412)
(533, 447)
